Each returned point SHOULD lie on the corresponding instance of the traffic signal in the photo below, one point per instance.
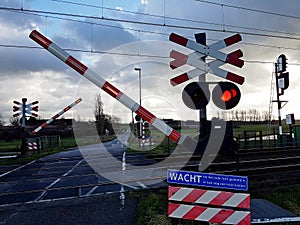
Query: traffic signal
(196, 95)
(281, 63)
(226, 95)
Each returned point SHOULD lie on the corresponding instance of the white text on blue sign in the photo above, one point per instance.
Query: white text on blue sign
(208, 180)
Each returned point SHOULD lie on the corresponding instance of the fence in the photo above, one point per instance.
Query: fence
(256, 139)
(43, 143)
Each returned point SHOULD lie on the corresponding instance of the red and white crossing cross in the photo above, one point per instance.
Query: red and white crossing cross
(17, 108)
(194, 59)
(56, 116)
(32, 107)
(108, 87)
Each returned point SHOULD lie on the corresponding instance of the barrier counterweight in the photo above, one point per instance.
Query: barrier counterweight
(106, 86)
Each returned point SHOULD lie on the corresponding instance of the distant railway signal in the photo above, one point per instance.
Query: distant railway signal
(281, 63)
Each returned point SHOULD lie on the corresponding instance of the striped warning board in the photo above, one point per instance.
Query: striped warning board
(208, 214)
(32, 144)
(214, 206)
(209, 197)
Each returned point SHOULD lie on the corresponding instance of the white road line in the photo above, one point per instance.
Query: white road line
(56, 181)
(18, 168)
(91, 191)
(141, 184)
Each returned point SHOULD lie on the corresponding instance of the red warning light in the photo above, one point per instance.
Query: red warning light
(226, 95)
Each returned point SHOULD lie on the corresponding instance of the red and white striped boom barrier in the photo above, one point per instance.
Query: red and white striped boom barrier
(194, 59)
(106, 86)
(56, 116)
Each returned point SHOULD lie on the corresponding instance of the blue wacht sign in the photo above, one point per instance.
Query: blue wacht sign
(208, 180)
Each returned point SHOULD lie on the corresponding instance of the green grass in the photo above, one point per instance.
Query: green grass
(286, 197)
(14, 146)
(10, 146)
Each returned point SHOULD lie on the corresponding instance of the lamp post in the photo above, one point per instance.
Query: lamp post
(140, 91)
(140, 83)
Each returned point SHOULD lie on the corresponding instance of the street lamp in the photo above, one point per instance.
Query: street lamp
(140, 82)
(140, 90)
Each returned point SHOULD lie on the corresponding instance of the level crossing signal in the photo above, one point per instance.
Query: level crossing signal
(225, 95)
(196, 95)
(25, 109)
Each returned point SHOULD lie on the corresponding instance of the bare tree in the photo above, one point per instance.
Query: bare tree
(103, 121)
(1, 121)
(98, 107)
(14, 121)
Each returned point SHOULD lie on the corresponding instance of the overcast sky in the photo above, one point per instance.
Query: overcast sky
(268, 28)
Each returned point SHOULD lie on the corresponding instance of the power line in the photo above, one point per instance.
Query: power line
(250, 9)
(141, 30)
(148, 23)
(180, 19)
(125, 54)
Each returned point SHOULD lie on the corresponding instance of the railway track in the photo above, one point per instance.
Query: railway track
(66, 177)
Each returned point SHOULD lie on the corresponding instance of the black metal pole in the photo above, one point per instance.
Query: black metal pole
(278, 107)
(201, 39)
(23, 129)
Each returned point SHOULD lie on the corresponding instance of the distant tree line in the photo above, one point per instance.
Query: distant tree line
(251, 115)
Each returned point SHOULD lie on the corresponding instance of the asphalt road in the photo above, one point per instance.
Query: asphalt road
(99, 210)
(68, 188)
(74, 173)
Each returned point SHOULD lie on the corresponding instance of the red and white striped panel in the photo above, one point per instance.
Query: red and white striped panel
(226, 42)
(106, 86)
(201, 67)
(207, 214)
(206, 50)
(216, 71)
(56, 116)
(32, 146)
(217, 198)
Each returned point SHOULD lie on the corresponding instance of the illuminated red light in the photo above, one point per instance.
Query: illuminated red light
(226, 96)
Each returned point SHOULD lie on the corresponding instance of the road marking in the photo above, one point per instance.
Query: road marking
(4, 174)
(141, 184)
(91, 191)
(56, 181)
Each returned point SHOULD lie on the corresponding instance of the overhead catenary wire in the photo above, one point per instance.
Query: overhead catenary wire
(138, 30)
(43, 12)
(127, 54)
(250, 9)
(37, 13)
